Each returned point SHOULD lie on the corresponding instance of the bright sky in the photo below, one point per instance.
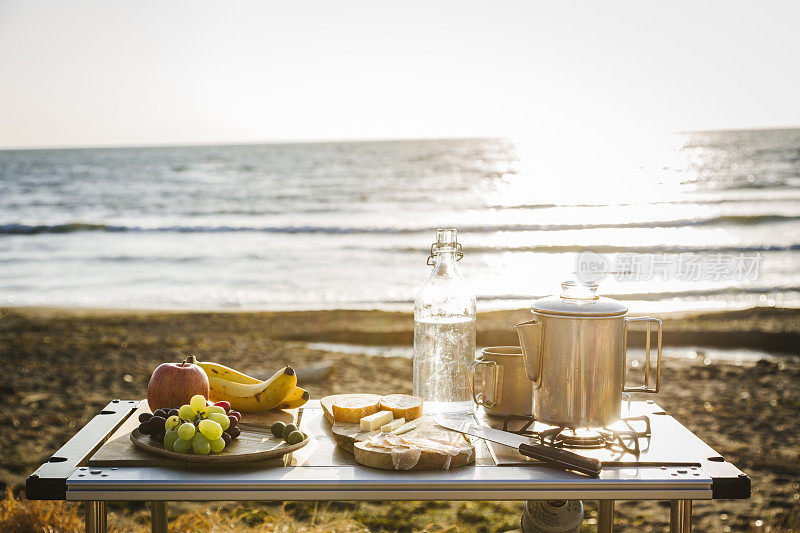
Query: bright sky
(86, 73)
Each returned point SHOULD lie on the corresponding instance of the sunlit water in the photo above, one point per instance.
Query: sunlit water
(350, 224)
(636, 356)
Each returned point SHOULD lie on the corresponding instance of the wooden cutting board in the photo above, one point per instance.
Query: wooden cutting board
(118, 450)
(350, 437)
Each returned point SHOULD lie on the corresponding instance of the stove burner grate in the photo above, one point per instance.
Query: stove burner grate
(624, 440)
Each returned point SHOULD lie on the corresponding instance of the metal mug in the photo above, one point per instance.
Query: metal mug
(504, 387)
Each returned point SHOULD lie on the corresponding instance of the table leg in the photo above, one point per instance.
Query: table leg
(605, 516)
(158, 516)
(680, 516)
(95, 520)
(686, 516)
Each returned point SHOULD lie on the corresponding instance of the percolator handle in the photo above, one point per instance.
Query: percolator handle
(646, 386)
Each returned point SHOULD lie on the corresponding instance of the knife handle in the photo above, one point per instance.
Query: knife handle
(562, 458)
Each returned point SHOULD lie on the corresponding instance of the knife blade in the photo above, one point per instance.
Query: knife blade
(525, 445)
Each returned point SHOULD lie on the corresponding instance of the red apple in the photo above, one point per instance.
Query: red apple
(173, 384)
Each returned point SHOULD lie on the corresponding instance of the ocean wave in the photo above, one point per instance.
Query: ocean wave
(72, 227)
(660, 295)
(684, 201)
(633, 248)
(26, 229)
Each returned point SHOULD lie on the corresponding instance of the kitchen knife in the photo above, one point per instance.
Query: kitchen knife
(549, 454)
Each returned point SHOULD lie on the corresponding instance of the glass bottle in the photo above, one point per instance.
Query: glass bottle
(444, 330)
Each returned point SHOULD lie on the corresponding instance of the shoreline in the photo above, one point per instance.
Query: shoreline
(775, 330)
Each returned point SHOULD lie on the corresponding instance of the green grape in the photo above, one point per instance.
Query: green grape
(216, 409)
(198, 403)
(172, 422)
(222, 420)
(169, 438)
(218, 445)
(186, 413)
(210, 429)
(186, 431)
(182, 446)
(200, 445)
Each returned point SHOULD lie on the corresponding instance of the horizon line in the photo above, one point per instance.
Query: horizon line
(257, 143)
(335, 140)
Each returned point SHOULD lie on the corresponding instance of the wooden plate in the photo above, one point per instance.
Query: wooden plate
(249, 446)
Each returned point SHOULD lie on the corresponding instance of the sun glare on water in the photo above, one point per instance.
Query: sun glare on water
(596, 170)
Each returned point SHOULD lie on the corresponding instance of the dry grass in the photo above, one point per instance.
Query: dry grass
(258, 520)
(21, 515)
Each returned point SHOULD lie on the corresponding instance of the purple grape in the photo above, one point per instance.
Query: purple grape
(234, 432)
(144, 417)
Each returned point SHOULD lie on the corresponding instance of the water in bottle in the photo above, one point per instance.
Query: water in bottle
(444, 330)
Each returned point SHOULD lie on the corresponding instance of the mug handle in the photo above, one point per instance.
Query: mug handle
(480, 398)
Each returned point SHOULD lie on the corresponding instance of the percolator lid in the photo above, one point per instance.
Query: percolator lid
(579, 299)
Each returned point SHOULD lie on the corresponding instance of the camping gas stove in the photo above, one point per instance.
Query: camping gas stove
(625, 438)
(647, 436)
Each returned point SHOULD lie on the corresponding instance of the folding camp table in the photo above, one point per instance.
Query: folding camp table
(322, 471)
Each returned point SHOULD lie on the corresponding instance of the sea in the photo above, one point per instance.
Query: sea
(698, 220)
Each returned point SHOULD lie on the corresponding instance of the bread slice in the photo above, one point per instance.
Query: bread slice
(351, 409)
(402, 406)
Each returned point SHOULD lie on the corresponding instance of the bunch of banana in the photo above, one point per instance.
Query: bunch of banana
(246, 393)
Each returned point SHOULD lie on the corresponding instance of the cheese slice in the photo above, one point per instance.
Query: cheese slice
(405, 428)
(375, 421)
(392, 442)
(402, 405)
(352, 409)
(394, 424)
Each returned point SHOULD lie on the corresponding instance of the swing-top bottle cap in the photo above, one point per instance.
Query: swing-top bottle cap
(446, 242)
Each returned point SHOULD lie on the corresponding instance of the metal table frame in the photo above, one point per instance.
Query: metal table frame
(65, 477)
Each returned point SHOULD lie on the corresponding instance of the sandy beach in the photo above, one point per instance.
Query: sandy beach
(60, 366)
